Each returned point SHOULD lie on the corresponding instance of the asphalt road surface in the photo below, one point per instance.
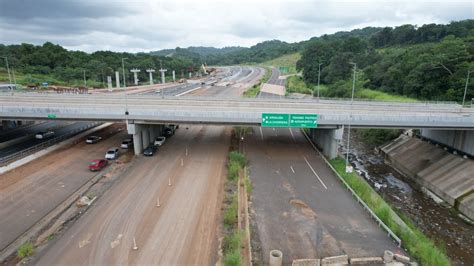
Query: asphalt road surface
(30, 192)
(13, 133)
(274, 78)
(180, 232)
(299, 206)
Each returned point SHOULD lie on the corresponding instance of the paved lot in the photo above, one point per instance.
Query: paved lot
(181, 232)
(299, 207)
(29, 192)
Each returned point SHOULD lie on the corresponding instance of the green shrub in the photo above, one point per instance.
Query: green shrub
(231, 242)
(238, 157)
(26, 250)
(230, 215)
(232, 258)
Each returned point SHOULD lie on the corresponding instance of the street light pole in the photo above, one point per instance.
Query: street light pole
(349, 124)
(8, 69)
(465, 88)
(319, 76)
(124, 87)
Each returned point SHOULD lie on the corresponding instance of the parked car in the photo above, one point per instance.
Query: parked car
(44, 134)
(112, 154)
(97, 165)
(126, 143)
(173, 127)
(160, 140)
(150, 150)
(168, 132)
(93, 139)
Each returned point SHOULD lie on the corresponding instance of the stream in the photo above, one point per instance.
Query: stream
(439, 221)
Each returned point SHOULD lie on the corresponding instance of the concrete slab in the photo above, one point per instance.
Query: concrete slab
(306, 262)
(273, 89)
(366, 261)
(466, 206)
(335, 260)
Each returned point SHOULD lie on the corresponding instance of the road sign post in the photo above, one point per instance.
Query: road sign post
(289, 120)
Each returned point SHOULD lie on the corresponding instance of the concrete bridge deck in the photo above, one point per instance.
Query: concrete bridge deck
(242, 111)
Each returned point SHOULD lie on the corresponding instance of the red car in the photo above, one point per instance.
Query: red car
(97, 165)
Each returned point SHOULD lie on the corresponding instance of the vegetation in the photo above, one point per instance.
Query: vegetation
(53, 64)
(417, 244)
(295, 84)
(26, 250)
(428, 63)
(253, 91)
(288, 60)
(376, 137)
(230, 215)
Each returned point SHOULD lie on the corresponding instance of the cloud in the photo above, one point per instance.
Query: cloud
(147, 25)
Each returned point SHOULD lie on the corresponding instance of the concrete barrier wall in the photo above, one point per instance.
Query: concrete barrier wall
(462, 140)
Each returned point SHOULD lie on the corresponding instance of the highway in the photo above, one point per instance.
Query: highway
(299, 205)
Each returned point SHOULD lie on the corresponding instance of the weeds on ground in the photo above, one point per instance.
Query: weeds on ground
(26, 250)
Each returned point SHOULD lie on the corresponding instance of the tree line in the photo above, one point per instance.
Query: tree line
(428, 63)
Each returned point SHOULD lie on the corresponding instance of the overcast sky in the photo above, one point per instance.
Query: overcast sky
(148, 25)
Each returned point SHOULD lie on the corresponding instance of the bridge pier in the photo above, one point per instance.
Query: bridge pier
(152, 130)
(145, 136)
(326, 140)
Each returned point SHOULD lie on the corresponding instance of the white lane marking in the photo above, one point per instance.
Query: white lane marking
(293, 136)
(314, 172)
(261, 132)
(183, 93)
(293, 170)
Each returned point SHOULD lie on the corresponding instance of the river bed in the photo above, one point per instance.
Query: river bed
(438, 221)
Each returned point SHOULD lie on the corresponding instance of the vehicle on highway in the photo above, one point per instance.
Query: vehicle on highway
(160, 140)
(168, 132)
(44, 134)
(112, 154)
(150, 150)
(93, 139)
(173, 127)
(97, 165)
(126, 143)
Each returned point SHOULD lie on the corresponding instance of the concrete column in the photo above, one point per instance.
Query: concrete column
(135, 130)
(152, 133)
(117, 79)
(327, 140)
(174, 76)
(145, 136)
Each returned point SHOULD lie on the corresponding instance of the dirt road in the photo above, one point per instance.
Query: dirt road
(181, 231)
(29, 192)
(299, 206)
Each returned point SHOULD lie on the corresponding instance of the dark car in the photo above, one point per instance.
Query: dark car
(93, 139)
(168, 132)
(150, 150)
(97, 165)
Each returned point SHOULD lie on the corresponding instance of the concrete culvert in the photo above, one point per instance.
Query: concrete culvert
(276, 258)
(387, 256)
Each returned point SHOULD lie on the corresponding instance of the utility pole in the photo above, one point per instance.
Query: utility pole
(85, 83)
(123, 73)
(349, 169)
(319, 76)
(8, 69)
(465, 88)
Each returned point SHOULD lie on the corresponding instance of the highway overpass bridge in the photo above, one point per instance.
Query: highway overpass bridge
(141, 110)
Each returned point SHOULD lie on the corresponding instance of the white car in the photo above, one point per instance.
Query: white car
(126, 143)
(160, 141)
(93, 139)
(112, 154)
(44, 134)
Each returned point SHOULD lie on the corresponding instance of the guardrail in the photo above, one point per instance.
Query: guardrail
(359, 200)
(45, 144)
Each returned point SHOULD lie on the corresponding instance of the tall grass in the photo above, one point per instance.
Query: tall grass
(288, 60)
(417, 244)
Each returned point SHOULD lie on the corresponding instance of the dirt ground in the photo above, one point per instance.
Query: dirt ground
(181, 231)
(31, 191)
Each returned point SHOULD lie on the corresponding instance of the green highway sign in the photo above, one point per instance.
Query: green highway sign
(51, 115)
(275, 120)
(289, 120)
(304, 120)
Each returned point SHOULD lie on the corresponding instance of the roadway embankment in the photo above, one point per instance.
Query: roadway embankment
(447, 175)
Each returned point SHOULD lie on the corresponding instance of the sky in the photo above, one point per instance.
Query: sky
(150, 25)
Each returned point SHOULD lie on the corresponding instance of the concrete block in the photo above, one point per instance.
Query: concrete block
(335, 260)
(366, 261)
(394, 263)
(466, 206)
(306, 262)
(387, 256)
(401, 258)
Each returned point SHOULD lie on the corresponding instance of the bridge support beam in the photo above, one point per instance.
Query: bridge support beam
(326, 140)
(136, 131)
(152, 130)
(145, 136)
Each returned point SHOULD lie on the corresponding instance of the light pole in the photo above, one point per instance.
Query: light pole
(124, 87)
(465, 88)
(8, 69)
(85, 82)
(319, 76)
(348, 169)
(123, 73)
